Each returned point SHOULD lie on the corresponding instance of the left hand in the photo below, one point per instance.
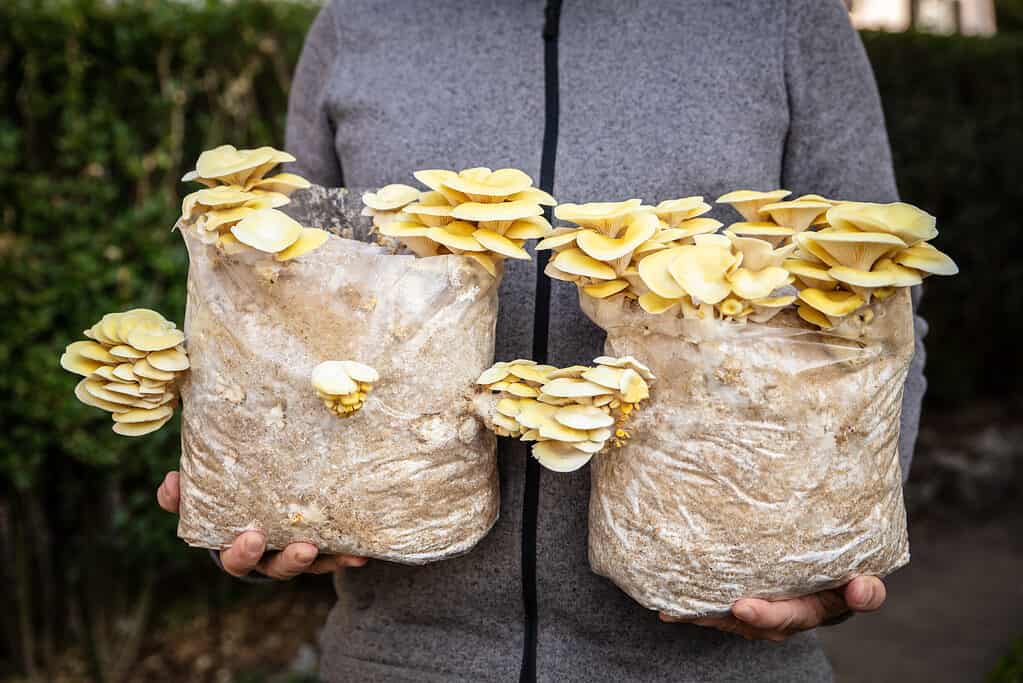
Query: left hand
(756, 619)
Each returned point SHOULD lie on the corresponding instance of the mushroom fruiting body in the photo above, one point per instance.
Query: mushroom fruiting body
(238, 208)
(484, 215)
(343, 385)
(571, 413)
(130, 368)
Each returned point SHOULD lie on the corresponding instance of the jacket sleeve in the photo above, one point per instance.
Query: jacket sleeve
(310, 131)
(837, 143)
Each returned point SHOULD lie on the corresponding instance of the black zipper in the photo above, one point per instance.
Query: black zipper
(541, 324)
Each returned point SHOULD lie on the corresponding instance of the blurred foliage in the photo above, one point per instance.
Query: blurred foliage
(1009, 15)
(1009, 668)
(103, 106)
(954, 107)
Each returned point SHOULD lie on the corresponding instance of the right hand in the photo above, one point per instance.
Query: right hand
(246, 554)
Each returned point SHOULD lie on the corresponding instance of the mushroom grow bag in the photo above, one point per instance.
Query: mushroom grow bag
(412, 476)
(765, 464)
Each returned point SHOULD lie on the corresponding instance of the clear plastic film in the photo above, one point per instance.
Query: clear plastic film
(764, 465)
(412, 476)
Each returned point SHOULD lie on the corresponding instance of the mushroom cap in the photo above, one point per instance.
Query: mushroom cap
(748, 202)
(560, 457)
(267, 230)
(485, 260)
(674, 211)
(774, 301)
(655, 305)
(532, 227)
(813, 316)
(168, 360)
(282, 183)
(559, 237)
(227, 160)
(534, 195)
(456, 235)
(905, 221)
(308, 240)
(500, 211)
(489, 185)
(701, 270)
(575, 262)
(654, 271)
(390, 197)
(603, 290)
(638, 228)
(360, 372)
(759, 229)
(926, 258)
(626, 362)
(832, 303)
(565, 387)
(331, 377)
(885, 273)
(403, 228)
(602, 216)
(583, 418)
(797, 214)
(500, 244)
(858, 250)
(758, 284)
(812, 274)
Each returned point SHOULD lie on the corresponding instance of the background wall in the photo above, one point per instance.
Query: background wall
(102, 108)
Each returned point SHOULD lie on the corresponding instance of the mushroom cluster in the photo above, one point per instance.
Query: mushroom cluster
(862, 251)
(483, 214)
(343, 385)
(238, 208)
(130, 366)
(570, 413)
(825, 257)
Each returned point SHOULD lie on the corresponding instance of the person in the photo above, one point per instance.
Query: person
(601, 100)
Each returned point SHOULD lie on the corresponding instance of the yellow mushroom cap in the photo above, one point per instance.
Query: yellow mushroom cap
(560, 237)
(655, 305)
(309, 240)
(926, 258)
(749, 202)
(267, 230)
(701, 270)
(390, 197)
(604, 216)
(534, 195)
(575, 262)
(885, 273)
(560, 457)
(832, 303)
(501, 211)
(813, 316)
(227, 160)
(331, 377)
(639, 227)
(655, 274)
(812, 274)
(456, 235)
(532, 227)
(282, 183)
(758, 284)
(500, 244)
(603, 290)
(905, 221)
(797, 214)
(674, 211)
(493, 185)
(854, 249)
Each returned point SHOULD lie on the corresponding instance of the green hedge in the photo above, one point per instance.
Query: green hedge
(954, 107)
(103, 106)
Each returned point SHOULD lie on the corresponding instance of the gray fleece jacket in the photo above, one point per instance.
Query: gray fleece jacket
(609, 100)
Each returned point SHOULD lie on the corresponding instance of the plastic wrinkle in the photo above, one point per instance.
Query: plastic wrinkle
(765, 463)
(402, 479)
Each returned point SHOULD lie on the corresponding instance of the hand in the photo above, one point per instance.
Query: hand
(246, 554)
(756, 619)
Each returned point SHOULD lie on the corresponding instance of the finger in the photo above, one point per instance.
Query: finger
(865, 594)
(332, 563)
(244, 554)
(168, 495)
(784, 615)
(290, 562)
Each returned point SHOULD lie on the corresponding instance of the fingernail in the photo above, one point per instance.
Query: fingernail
(744, 612)
(254, 544)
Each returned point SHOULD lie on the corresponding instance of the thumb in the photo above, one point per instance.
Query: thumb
(168, 495)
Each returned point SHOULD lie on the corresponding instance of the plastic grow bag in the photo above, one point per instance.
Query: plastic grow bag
(765, 464)
(411, 477)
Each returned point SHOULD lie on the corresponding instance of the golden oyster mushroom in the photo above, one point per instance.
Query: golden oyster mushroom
(129, 367)
(749, 202)
(343, 385)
